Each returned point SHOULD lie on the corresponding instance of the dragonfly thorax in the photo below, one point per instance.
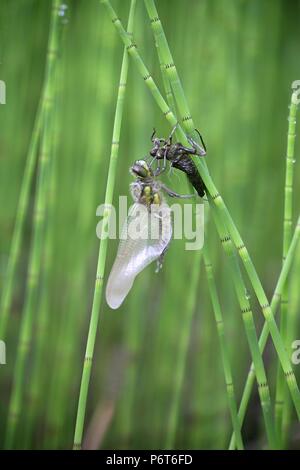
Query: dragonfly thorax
(146, 192)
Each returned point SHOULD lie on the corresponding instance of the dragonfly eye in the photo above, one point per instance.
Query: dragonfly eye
(140, 168)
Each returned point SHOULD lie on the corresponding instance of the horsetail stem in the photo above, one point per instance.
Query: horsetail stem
(182, 348)
(250, 330)
(35, 390)
(264, 304)
(144, 72)
(170, 67)
(87, 365)
(36, 249)
(287, 236)
(184, 335)
(265, 331)
(255, 281)
(224, 350)
(63, 381)
(165, 69)
(23, 203)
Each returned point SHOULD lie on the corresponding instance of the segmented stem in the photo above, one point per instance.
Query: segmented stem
(87, 365)
(23, 203)
(224, 350)
(36, 248)
(249, 325)
(265, 331)
(287, 235)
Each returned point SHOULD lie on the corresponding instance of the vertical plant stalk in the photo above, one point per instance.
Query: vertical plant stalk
(170, 70)
(7, 292)
(144, 72)
(261, 296)
(265, 331)
(35, 392)
(224, 350)
(287, 235)
(167, 60)
(226, 241)
(292, 334)
(182, 350)
(186, 324)
(36, 248)
(63, 382)
(35, 384)
(250, 330)
(217, 199)
(208, 266)
(86, 372)
(221, 207)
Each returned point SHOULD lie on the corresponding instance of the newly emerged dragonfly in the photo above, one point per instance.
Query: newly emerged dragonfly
(152, 215)
(179, 157)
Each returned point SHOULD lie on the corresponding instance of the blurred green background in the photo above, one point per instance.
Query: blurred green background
(237, 60)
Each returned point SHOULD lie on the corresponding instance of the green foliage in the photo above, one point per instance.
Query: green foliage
(158, 371)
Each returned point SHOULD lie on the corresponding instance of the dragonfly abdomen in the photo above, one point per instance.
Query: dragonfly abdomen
(185, 164)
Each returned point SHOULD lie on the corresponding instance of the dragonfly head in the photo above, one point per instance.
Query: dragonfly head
(141, 169)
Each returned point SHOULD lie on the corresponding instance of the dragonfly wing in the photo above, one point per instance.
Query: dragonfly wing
(135, 253)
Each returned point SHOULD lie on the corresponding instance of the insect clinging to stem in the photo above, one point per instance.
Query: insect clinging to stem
(152, 214)
(180, 157)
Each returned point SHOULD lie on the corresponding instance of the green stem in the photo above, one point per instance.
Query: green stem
(186, 321)
(292, 329)
(167, 60)
(239, 285)
(249, 325)
(23, 203)
(35, 394)
(86, 372)
(217, 199)
(265, 331)
(224, 350)
(260, 294)
(67, 333)
(182, 349)
(287, 235)
(36, 249)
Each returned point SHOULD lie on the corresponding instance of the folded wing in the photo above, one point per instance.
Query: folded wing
(145, 235)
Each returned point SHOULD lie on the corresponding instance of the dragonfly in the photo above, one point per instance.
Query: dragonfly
(151, 214)
(179, 157)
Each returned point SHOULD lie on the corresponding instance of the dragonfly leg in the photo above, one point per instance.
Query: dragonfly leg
(153, 134)
(174, 194)
(202, 141)
(157, 140)
(159, 262)
(197, 149)
(154, 159)
(159, 169)
(165, 160)
(169, 140)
